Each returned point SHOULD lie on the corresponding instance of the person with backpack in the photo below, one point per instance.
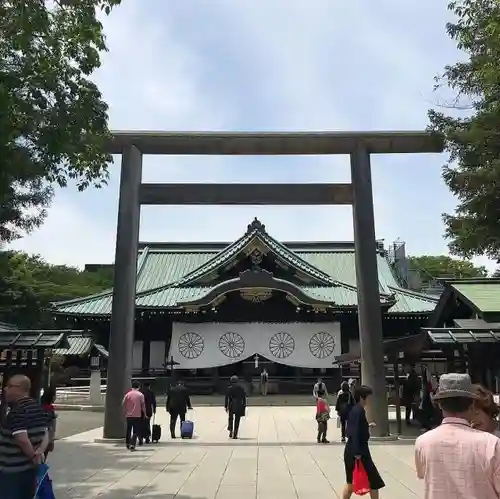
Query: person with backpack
(345, 402)
(320, 386)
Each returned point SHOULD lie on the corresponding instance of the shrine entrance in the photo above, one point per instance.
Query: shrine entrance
(358, 193)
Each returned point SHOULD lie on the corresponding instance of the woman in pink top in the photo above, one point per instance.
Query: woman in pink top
(134, 407)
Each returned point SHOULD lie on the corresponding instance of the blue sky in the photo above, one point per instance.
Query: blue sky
(266, 65)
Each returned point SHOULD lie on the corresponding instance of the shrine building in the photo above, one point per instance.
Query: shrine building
(218, 309)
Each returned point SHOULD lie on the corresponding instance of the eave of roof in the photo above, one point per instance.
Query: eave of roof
(34, 339)
(452, 336)
(77, 345)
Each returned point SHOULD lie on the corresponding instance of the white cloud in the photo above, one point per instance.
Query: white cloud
(263, 65)
(69, 237)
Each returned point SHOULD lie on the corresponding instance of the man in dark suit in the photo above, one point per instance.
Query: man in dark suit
(178, 402)
(411, 392)
(150, 403)
(235, 405)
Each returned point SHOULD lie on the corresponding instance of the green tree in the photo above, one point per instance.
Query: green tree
(53, 121)
(28, 285)
(432, 267)
(472, 130)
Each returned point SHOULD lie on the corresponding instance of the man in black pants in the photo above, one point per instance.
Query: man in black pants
(235, 405)
(411, 390)
(150, 403)
(178, 402)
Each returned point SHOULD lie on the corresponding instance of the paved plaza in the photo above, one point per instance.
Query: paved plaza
(276, 457)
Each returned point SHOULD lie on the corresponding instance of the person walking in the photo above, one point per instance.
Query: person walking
(235, 405)
(264, 378)
(411, 391)
(47, 401)
(23, 440)
(178, 403)
(454, 460)
(134, 409)
(319, 386)
(345, 402)
(356, 449)
(322, 417)
(150, 405)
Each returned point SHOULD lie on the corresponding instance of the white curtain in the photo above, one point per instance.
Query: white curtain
(157, 354)
(200, 346)
(137, 356)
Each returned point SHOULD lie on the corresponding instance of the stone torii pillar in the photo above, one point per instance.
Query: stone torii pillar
(132, 145)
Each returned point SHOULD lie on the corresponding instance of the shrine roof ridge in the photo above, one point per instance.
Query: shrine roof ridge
(218, 245)
(274, 143)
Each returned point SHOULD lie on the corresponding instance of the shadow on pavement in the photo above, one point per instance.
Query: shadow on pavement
(85, 470)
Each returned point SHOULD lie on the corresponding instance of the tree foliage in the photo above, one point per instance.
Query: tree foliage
(53, 121)
(432, 267)
(28, 285)
(472, 139)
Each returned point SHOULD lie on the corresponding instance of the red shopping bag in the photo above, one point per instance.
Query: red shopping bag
(360, 482)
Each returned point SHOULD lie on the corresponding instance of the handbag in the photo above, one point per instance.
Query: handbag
(322, 417)
(360, 482)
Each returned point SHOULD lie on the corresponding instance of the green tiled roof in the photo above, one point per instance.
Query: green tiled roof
(23, 339)
(410, 301)
(81, 345)
(484, 294)
(255, 231)
(167, 275)
(77, 345)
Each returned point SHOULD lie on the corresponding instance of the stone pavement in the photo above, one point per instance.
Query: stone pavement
(276, 457)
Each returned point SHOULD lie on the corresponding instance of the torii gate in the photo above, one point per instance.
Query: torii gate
(133, 193)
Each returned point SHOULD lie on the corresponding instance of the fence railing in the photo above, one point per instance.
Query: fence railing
(76, 394)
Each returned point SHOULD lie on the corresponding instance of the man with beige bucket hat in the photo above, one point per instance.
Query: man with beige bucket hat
(455, 460)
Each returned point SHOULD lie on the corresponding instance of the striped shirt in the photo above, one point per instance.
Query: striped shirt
(25, 416)
(458, 462)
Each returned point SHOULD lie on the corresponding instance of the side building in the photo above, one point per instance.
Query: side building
(216, 309)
